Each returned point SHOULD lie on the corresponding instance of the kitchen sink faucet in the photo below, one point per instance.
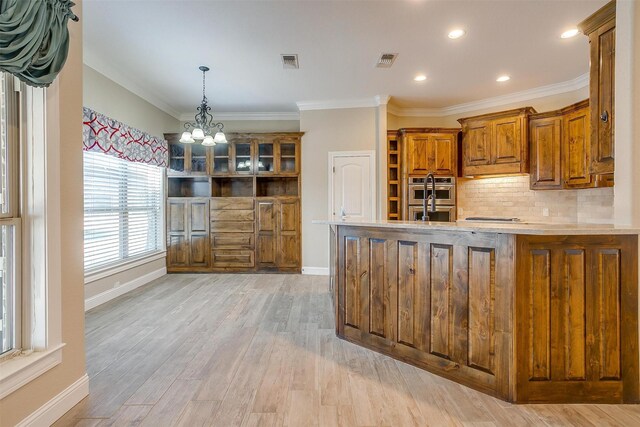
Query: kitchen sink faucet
(431, 199)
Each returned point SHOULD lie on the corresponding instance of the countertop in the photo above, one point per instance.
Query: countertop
(492, 227)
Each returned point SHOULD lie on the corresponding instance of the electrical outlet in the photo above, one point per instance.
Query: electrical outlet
(545, 211)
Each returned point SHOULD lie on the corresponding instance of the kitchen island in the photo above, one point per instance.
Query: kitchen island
(523, 312)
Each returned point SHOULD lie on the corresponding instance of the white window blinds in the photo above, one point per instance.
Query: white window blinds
(122, 210)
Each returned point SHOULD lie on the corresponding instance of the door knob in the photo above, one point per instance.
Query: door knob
(604, 116)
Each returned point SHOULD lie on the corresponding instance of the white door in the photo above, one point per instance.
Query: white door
(353, 186)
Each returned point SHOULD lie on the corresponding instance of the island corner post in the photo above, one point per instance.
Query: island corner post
(528, 317)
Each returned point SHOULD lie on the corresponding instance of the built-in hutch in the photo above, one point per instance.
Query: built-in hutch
(234, 206)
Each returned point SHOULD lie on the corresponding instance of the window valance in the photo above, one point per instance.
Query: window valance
(34, 40)
(109, 136)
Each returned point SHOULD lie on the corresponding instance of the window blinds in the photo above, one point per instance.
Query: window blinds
(122, 210)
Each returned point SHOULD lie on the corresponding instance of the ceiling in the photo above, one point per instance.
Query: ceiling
(154, 48)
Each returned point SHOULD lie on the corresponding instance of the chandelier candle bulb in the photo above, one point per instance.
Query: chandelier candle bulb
(208, 140)
(186, 138)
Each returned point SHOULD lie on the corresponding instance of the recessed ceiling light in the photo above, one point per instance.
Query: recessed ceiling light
(456, 34)
(569, 33)
(503, 78)
(420, 78)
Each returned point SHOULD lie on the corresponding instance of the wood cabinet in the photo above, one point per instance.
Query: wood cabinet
(497, 143)
(428, 150)
(577, 337)
(217, 216)
(560, 150)
(187, 233)
(278, 233)
(601, 30)
(232, 232)
(524, 318)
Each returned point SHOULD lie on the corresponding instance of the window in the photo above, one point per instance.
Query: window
(122, 210)
(10, 301)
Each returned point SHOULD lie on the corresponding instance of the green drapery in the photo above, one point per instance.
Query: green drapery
(34, 39)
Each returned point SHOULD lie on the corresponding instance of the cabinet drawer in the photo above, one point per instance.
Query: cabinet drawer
(232, 258)
(232, 215)
(232, 240)
(231, 203)
(231, 227)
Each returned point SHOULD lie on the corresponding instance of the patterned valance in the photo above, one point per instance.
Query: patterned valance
(34, 40)
(109, 136)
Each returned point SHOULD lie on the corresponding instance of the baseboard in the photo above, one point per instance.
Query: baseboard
(318, 271)
(51, 411)
(106, 296)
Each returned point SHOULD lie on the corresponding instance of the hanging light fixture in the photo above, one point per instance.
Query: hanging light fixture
(203, 127)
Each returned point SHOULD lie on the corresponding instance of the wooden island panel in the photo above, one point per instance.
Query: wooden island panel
(523, 318)
(408, 295)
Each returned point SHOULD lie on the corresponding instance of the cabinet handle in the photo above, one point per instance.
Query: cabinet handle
(604, 116)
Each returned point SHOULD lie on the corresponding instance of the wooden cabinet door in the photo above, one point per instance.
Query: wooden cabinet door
(198, 224)
(576, 149)
(288, 156)
(266, 239)
(417, 149)
(477, 144)
(574, 319)
(288, 255)
(602, 86)
(177, 234)
(506, 140)
(441, 154)
(545, 136)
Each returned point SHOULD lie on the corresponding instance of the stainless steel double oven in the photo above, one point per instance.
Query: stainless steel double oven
(445, 198)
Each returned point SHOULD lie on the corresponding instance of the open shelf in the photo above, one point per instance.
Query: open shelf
(188, 187)
(232, 187)
(276, 186)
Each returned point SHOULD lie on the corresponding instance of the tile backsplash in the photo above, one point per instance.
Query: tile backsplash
(511, 197)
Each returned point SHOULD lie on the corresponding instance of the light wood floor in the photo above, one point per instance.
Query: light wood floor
(248, 350)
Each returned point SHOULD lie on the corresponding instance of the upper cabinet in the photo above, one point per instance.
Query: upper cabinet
(560, 149)
(244, 154)
(496, 143)
(430, 151)
(601, 30)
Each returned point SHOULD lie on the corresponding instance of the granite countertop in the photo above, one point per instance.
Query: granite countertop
(492, 227)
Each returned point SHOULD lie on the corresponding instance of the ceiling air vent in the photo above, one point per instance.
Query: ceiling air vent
(289, 62)
(386, 60)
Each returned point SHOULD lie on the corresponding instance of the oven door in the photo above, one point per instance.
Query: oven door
(445, 194)
(442, 214)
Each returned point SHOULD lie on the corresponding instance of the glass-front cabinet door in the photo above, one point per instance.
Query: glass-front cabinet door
(289, 157)
(220, 159)
(242, 159)
(198, 158)
(266, 158)
(176, 157)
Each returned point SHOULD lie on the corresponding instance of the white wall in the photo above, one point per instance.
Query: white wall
(627, 109)
(258, 125)
(349, 129)
(107, 97)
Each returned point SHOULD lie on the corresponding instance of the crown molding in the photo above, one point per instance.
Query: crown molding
(96, 62)
(333, 104)
(188, 117)
(498, 101)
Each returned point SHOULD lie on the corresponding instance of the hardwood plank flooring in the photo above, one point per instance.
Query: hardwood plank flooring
(260, 350)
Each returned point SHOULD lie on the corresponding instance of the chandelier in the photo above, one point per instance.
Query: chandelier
(203, 126)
